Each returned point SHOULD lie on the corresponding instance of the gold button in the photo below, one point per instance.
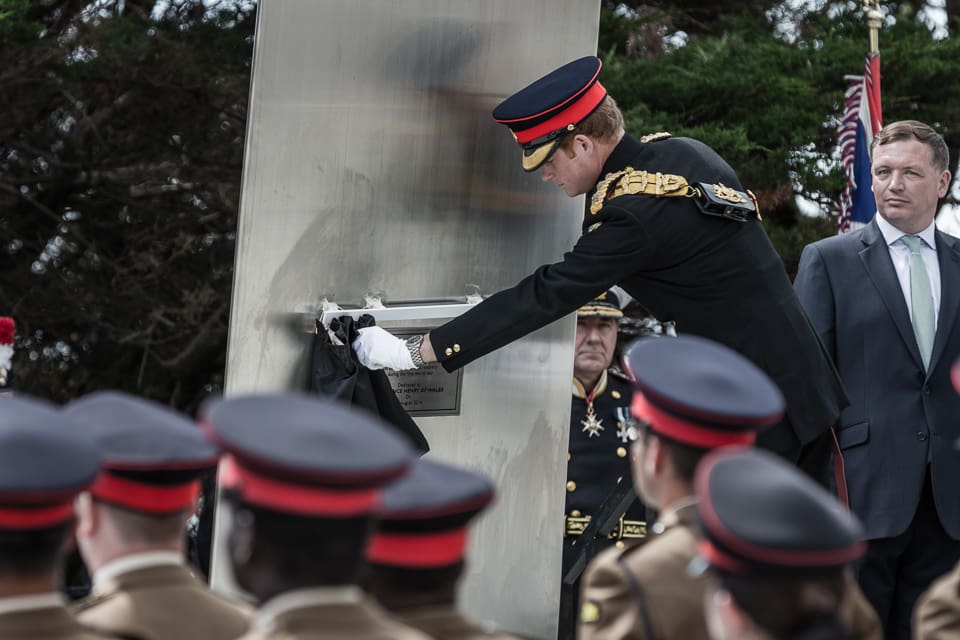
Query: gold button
(620, 544)
(448, 351)
(621, 452)
(571, 486)
(575, 514)
(569, 456)
(456, 348)
(615, 394)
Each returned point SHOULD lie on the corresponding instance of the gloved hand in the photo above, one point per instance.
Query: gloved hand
(377, 348)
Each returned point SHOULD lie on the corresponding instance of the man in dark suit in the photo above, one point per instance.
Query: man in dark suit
(670, 223)
(885, 300)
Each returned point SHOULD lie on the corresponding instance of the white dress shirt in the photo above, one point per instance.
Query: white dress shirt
(900, 255)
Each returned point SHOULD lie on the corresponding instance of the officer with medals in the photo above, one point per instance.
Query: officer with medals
(303, 478)
(777, 550)
(131, 524)
(599, 442)
(669, 221)
(46, 460)
(418, 553)
(691, 395)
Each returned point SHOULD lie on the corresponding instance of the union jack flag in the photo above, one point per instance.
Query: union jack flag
(861, 121)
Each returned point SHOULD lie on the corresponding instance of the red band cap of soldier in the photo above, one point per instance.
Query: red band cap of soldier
(46, 460)
(305, 456)
(699, 392)
(154, 457)
(761, 516)
(423, 518)
(540, 114)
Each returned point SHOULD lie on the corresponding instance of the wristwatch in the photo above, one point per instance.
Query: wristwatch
(413, 346)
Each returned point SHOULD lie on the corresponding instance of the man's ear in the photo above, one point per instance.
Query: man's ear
(734, 621)
(88, 515)
(583, 144)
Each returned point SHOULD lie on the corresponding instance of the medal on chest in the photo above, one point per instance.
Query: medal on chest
(592, 426)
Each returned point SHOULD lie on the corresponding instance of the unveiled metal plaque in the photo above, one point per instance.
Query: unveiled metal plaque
(430, 391)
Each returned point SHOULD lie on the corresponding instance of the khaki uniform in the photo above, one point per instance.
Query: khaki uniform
(644, 591)
(48, 623)
(322, 613)
(162, 602)
(857, 614)
(445, 623)
(937, 615)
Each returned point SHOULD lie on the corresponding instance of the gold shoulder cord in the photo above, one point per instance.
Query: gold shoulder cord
(632, 182)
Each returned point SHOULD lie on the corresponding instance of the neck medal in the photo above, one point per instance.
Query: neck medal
(591, 425)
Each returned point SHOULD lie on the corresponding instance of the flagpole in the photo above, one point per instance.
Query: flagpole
(874, 18)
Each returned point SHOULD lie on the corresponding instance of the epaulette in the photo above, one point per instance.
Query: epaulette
(653, 137)
(631, 182)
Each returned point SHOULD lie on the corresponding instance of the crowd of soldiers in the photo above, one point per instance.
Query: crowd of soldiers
(338, 529)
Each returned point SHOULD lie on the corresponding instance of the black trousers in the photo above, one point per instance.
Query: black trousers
(896, 571)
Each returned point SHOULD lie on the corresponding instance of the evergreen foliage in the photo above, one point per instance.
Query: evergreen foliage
(122, 127)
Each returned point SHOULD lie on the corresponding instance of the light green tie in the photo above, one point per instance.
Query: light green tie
(921, 300)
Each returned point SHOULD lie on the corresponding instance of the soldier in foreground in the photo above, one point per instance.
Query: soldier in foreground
(303, 478)
(45, 461)
(692, 395)
(418, 554)
(131, 525)
(778, 550)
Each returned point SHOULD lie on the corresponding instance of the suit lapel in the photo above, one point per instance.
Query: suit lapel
(876, 260)
(948, 256)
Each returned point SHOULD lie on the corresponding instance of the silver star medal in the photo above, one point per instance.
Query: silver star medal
(592, 426)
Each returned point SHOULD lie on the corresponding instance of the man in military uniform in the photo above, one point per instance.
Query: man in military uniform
(45, 461)
(692, 395)
(131, 525)
(777, 550)
(303, 477)
(418, 553)
(937, 614)
(669, 222)
(599, 438)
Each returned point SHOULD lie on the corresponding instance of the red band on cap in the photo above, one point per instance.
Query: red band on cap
(955, 376)
(140, 496)
(685, 432)
(717, 558)
(754, 553)
(417, 549)
(574, 113)
(299, 499)
(20, 518)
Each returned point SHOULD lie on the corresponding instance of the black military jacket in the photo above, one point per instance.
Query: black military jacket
(597, 462)
(713, 277)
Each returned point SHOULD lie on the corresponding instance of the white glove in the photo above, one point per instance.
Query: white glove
(377, 348)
